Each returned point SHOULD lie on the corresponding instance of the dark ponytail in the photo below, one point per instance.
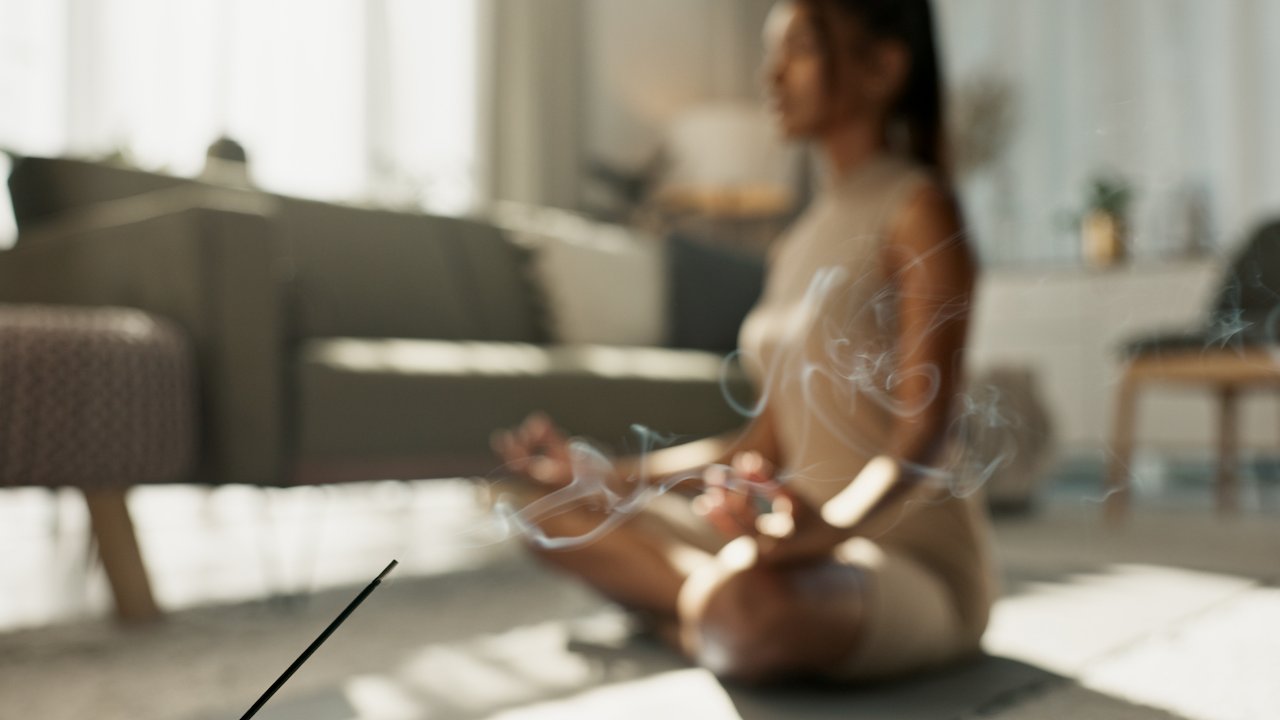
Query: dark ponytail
(919, 110)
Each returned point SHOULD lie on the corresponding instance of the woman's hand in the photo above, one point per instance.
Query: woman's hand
(735, 496)
(794, 532)
(747, 499)
(536, 449)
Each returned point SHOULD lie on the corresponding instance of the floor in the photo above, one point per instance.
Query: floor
(1176, 616)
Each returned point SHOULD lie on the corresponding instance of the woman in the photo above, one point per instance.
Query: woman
(867, 562)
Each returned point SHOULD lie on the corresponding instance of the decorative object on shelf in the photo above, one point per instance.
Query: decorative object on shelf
(619, 193)
(227, 163)
(1194, 230)
(983, 115)
(1104, 227)
(1011, 433)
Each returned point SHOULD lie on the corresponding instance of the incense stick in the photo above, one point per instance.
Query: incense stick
(288, 673)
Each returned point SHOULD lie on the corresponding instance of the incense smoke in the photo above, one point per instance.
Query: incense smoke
(851, 367)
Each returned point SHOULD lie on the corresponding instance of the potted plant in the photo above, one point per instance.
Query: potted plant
(1104, 228)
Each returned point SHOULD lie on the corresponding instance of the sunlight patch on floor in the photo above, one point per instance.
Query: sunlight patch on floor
(1223, 665)
(234, 543)
(1066, 624)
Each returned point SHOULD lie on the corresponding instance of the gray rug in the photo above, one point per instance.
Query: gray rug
(506, 641)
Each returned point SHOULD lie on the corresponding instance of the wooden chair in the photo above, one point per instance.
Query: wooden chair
(1238, 351)
(1227, 373)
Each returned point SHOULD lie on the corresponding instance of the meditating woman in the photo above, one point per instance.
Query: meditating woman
(839, 534)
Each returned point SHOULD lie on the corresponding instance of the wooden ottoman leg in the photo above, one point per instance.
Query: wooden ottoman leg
(118, 548)
(1228, 450)
(1118, 487)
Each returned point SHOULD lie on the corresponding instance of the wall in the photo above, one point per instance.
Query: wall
(648, 61)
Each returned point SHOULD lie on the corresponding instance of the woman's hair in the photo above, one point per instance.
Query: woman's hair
(919, 107)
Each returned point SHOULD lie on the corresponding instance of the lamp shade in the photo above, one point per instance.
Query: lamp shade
(726, 158)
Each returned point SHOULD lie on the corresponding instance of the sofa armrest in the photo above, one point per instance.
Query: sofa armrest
(213, 271)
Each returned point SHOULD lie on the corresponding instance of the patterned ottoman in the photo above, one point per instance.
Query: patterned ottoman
(99, 399)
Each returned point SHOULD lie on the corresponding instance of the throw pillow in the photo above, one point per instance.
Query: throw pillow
(711, 291)
(603, 284)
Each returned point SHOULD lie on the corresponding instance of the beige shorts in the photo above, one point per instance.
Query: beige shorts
(911, 623)
(911, 620)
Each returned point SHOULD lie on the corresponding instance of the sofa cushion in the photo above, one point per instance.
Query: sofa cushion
(606, 288)
(434, 404)
(506, 298)
(373, 273)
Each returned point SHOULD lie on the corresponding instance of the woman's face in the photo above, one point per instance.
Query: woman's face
(803, 103)
(795, 71)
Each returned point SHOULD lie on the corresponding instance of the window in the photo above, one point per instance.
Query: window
(332, 99)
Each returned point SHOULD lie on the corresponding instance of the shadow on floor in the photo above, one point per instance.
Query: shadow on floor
(989, 687)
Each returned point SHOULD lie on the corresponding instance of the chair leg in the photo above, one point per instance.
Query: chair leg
(1118, 486)
(118, 548)
(1228, 450)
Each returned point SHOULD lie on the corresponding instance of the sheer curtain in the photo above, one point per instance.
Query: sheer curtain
(335, 99)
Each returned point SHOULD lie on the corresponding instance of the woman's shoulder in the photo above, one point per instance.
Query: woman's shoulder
(924, 218)
(888, 189)
(907, 182)
(887, 183)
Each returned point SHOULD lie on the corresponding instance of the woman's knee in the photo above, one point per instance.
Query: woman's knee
(735, 622)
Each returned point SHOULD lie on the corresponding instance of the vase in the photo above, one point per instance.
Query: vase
(1104, 238)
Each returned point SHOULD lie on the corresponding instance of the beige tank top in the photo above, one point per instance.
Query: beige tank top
(820, 348)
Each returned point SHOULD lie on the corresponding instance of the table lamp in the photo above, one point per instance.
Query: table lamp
(726, 160)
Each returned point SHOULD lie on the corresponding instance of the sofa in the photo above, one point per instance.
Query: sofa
(337, 343)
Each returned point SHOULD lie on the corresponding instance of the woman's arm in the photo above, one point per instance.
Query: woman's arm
(540, 450)
(660, 466)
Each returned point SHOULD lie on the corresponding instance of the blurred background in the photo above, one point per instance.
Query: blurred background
(451, 105)
(272, 270)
